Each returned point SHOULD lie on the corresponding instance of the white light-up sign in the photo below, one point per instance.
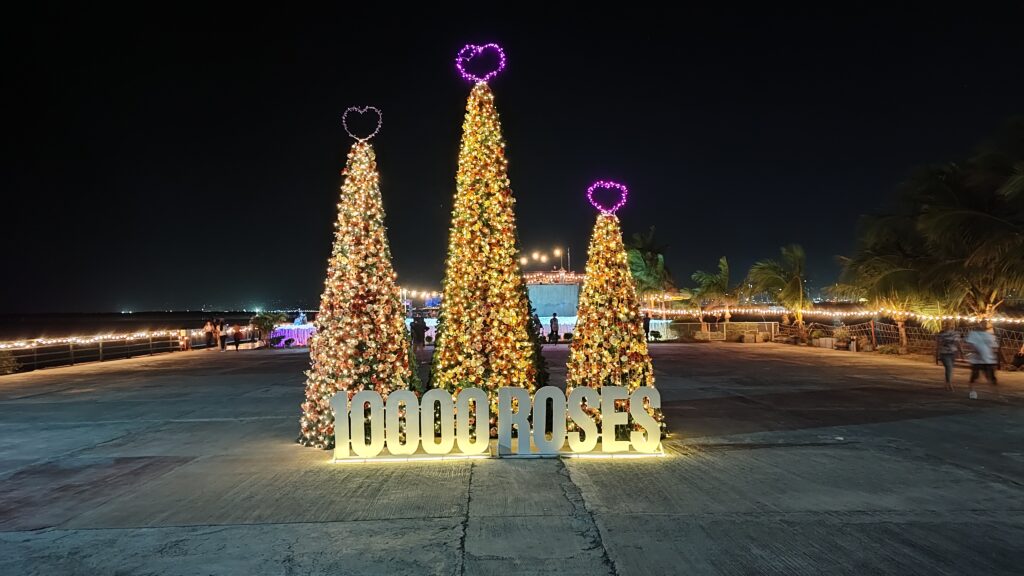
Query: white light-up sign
(437, 425)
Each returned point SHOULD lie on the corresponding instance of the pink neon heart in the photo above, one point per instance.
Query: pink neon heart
(362, 110)
(607, 185)
(470, 51)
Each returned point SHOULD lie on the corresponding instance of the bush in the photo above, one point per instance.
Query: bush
(815, 334)
(274, 341)
(8, 363)
(841, 334)
(265, 323)
(288, 343)
(889, 349)
(567, 336)
(655, 335)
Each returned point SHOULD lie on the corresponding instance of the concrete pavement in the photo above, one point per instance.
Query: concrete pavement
(782, 460)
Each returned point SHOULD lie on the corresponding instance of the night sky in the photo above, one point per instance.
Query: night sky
(180, 160)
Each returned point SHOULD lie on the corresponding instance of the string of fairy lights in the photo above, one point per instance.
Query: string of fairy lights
(763, 311)
(85, 340)
(859, 313)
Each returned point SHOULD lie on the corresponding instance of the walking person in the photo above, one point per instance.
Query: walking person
(647, 326)
(208, 330)
(947, 347)
(984, 348)
(237, 336)
(222, 337)
(1018, 358)
(554, 327)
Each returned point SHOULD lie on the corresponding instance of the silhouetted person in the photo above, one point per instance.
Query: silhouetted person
(554, 326)
(222, 336)
(418, 327)
(647, 326)
(947, 346)
(208, 329)
(237, 336)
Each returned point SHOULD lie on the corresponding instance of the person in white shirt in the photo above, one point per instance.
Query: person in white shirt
(983, 356)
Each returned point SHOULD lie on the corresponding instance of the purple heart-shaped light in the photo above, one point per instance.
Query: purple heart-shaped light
(607, 185)
(470, 51)
(362, 110)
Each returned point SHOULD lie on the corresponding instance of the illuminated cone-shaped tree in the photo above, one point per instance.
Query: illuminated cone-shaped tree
(360, 341)
(608, 347)
(484, 338)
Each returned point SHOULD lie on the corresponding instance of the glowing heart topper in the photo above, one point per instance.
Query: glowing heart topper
(362, 110)
(470, 51)
(607, 185)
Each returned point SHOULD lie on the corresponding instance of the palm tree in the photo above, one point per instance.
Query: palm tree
(785, 280)
(890, 271)
(713, 289)
(952, 244)
(971, 216)
(647, 263)
(956, 237)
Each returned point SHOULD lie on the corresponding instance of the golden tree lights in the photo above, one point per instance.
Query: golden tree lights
(360, 341)
(609, 347)
(483, 327)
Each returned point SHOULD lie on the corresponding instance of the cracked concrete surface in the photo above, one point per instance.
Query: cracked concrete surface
(783, 460)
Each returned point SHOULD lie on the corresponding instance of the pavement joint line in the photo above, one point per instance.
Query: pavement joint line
(133, 490)
(869, 515)
(47, 529)
(815, 515)
(68, 454)
(598, 538)
(465, 520)
(38, 394)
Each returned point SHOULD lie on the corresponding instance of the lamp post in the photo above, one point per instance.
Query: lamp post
(564, 258)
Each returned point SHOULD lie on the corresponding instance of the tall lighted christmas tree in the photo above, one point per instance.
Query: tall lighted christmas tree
(609, 347)
(484, 338)
(360, 341)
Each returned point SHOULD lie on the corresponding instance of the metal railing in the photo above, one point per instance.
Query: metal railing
(70, 353)
(919, 340)
(40, 354)
(723, 331)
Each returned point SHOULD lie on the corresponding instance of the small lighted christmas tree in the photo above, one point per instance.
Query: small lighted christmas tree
(360, 341)
(484, 337)
(609, 347)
